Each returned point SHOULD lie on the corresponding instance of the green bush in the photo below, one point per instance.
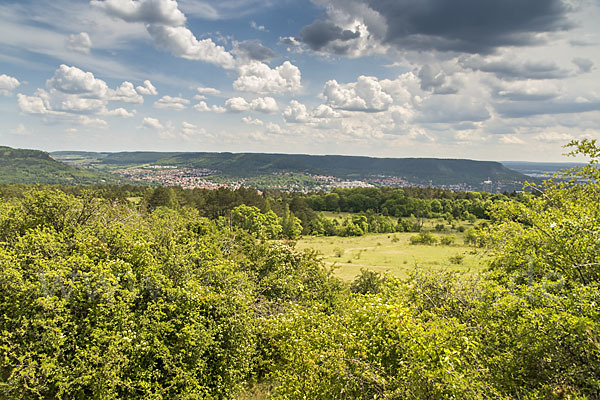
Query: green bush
(456, 259)
(447, 240)
(367, 282)
(423, 238)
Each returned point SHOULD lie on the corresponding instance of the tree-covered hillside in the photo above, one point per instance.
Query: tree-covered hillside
(34, 166)
(416, 170)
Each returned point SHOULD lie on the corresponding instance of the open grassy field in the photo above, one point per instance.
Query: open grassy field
(394, 253)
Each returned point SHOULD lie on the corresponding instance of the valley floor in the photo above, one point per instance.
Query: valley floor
(394, 254)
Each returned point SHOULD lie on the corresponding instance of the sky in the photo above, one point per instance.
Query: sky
(477, 79)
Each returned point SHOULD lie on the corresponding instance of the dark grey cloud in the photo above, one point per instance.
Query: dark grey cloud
(471, 26)
(320, 33)
(254, 50)
(466, 26)
(512, 70)
(583, 64)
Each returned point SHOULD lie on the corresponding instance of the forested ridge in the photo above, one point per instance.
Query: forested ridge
(416, 170)
(128, 292)
(34, 166)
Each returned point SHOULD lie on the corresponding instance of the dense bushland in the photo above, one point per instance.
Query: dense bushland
(101, 300)
(104, 298)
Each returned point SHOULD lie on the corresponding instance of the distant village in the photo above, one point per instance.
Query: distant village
(204, 178)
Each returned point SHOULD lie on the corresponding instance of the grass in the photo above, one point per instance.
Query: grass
(393, 253)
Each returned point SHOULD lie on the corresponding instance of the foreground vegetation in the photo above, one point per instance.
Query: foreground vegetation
(102, 298)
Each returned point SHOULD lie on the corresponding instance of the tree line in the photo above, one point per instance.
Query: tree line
(379, 210)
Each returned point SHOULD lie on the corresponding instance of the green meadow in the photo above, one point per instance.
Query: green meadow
(393, 253)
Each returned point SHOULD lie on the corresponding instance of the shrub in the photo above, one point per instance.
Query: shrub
(338, 252)
(471, 238)
(456, 259)
(367, 282)
(423, 238)
(448, 240)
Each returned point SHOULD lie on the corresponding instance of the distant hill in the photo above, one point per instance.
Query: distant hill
(416, 170)
(35, 166)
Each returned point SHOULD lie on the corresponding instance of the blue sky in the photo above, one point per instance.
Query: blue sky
(490, 80)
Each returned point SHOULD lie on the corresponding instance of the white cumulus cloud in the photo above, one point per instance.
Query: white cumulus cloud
(120, 112)
(252, 121)
(8, 84)
(79, 95)
(188, 130)
(80, 42)
(208, 91)
(324, 111)
(32, 104)
(258, 77)
(237, 104)
(266, 105)
(366, 94)
(180, 41)
(166, 25)
(274, 128)
(153, 123)
(72, 80)
(203, 107)
(94, 122)
(147, 90)
(173, 103)
(126, 93)
(296, 112)
(254, 25)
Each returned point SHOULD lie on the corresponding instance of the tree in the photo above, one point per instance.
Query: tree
(248, 218)
(162, 197)
(332, 202)
(291, 226)
(553, 233)
(264, 226)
